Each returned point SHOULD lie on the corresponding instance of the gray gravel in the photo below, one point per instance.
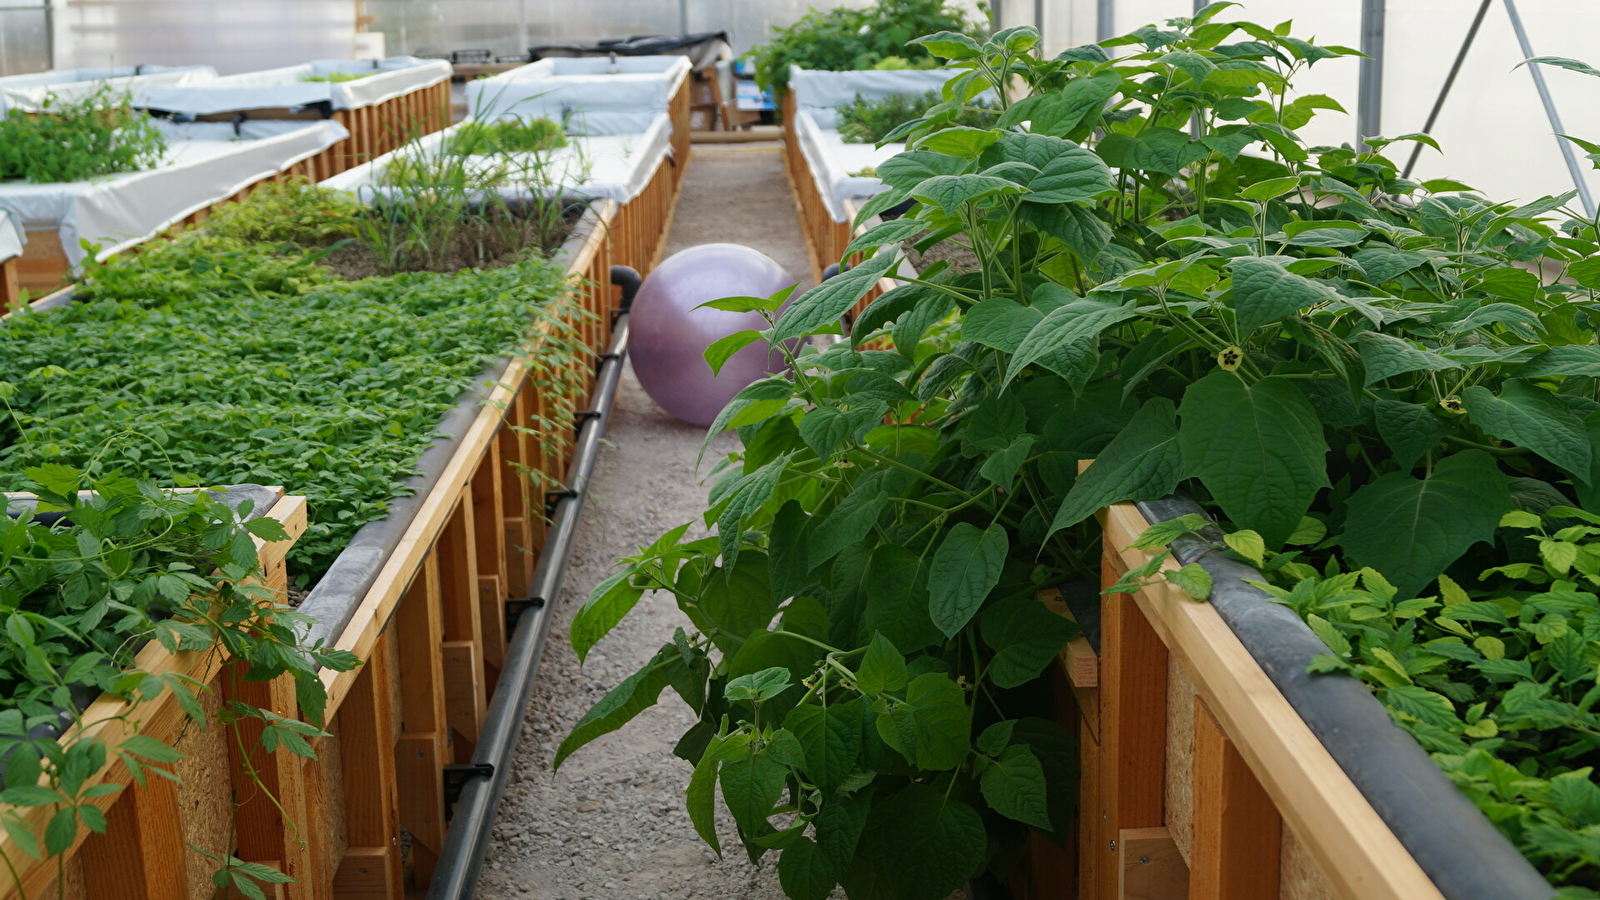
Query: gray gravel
(612, 823)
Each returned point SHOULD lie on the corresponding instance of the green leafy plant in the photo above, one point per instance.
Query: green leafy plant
(338, 77)
(99, 135)
(844, 38)
(513, 135)
(1337, 361)
(131, 563)
(868, 121)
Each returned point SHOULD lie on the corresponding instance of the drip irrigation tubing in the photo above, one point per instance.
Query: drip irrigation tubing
(481, 782)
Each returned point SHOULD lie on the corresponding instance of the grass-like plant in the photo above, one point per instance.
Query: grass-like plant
(510, 135)
(99, 135)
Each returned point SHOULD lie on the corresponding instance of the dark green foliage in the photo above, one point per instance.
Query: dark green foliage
(291, 212)
(75, 141)
(842, 38)
(868, 121)
(1336, 360)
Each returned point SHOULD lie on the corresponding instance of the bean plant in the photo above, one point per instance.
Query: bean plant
(1349, 369)
(845, 38)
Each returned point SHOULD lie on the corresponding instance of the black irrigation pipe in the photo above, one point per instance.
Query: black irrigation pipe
(1455, 844)
(481, 782)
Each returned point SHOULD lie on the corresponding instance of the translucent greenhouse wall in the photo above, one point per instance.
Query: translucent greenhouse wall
(24, 36)
(231, 35)
(1493, 129)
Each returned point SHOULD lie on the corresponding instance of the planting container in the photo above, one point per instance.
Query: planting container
(423, 597)
(11, 238)
(206, 164)
(32, 92)
(394, 100)
(1214, 766)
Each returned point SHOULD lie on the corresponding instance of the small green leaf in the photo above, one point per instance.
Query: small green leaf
(883, 669)
(1264, 292)
(964, 569)
(1249, 545)
(1015, 787)
(1192, 579)
(723, 349)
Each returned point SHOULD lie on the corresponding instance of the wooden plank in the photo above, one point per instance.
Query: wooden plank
(1237, 831)
(1094, 839)
(1354, 848)
(516, 496)
(1150, 865)
(314, 831)
(43, 265)
(268, 787)
(419, 765)
(458, 572)
(141, 856)
(10, 286)
(463, 689)
(418, 633)
(489, 552)
(369, 873)
(371, 792)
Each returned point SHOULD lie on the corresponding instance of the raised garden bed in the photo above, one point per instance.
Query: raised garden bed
(382, 103)
(205, 164)
(10, 251)
(38, 92)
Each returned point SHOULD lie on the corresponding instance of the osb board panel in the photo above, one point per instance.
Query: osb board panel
(331, 758)
(205, 813)
(1179, 797)
(1298, 875)
(72, 886)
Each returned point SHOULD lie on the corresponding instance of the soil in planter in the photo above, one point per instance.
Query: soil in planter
(612, 823)
(479, 244)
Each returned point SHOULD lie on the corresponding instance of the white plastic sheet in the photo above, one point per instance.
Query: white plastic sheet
(594, 95)
(11, 237)
(831, 161)
(822, 93)
(615, 166)
(30, 92)
(286, 87)
(206, 162)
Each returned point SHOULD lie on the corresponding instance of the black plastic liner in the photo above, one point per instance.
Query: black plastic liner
(1455, 844)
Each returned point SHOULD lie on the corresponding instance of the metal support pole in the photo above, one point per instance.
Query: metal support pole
(1369, 98)
(1449, 82)
(683, 16)
(1550, 110)
(1105, 22)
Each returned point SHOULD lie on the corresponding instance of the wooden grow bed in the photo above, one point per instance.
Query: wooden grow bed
(432, 632)
(1200, 779)
(382, 127)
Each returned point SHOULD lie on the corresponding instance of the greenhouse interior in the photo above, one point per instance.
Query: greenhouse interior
(901, 450)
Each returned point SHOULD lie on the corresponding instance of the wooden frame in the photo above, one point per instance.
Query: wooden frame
(432, 631)
(382, 127)
(10, 285)
(1189, 749)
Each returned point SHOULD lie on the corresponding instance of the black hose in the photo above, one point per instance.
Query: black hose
(472, 818)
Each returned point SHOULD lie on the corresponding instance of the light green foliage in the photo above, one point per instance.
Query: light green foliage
(511, 135)
(1168, 282)
(868, 121)
(843, 38)
(337, 77)
(93, 137)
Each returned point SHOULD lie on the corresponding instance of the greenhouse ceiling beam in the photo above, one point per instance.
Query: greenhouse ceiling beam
(1369, 95)
(1449, 82)
(1550, 110)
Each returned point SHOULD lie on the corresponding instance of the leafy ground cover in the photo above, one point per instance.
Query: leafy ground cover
(503, 135)
(868, 121)
(1355, 372)
(232, 354)
(843, 38)
(98, 135)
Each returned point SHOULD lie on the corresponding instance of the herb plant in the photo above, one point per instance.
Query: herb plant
(843, 38)
(868, 121)
(132, 563)
(509, 135)
(1349, 368)
(99, 135)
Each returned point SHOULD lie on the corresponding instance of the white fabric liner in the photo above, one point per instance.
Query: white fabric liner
(11, 237)
(205, 163)
(29, 92)
(822, 93)
(591, 96)
(284, 88)
(615, 166)
(831, 160)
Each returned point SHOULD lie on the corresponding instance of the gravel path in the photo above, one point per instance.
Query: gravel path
(612, 823)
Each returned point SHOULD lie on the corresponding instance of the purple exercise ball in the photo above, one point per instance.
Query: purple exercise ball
(670, 335)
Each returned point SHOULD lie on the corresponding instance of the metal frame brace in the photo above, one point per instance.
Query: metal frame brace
(456, 777)
(516, 606)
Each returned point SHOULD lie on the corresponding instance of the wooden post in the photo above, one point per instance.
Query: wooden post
(517, 499)
(371, 867)
(141, 855)
(264, 833)
(421, 752)
(1237, 830)
(10, 287)
(489, 538)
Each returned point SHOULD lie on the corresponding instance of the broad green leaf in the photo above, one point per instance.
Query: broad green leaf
(1264, 292)
(951, 192)
(1061, 112)
(1055, 171)
(1409, 430)
(804, 873)
(892, 232)
(1411, 529)
(830, 737)
(1084, 233)
(634, 695)
(1384, 356)
(607, 604)
(826, 428)
(752, 783)
(962, 141)
(1421, 704)
(895, 591)
(998, 420)
(928, 843)
(1577, 359)
(723, 349)
(1249, 545)
(1002, 466)
(847, 524)
(930, 727)
(1258, 448)
(829, 300)
(1383, 264)
(964, 569)
(906, 170)
(1066, 325)
(1015, 787)
(1197, 67)
(758, 686)
(1270, 188)
(999, 322)
(701, 797)
(750, 494)
(1192, 579)
(1532, 418)
(1586, 272)
(1514, 284)
(1143, 462)
(736, 603)
(1025, 637)
(949, 45)
(1155, 149)
(883, 669)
